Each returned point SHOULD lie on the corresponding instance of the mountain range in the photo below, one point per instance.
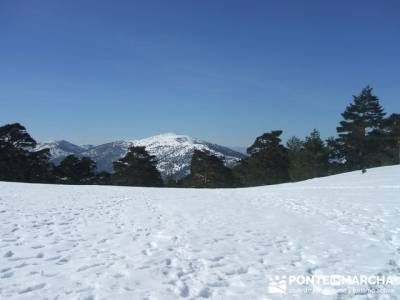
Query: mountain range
(173, 152)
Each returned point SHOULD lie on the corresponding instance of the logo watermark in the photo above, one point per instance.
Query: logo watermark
(278, 285)
(331, 284)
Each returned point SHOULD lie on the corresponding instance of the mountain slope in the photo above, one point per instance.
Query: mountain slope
(60, 149)
(99, 242)
(173, 152)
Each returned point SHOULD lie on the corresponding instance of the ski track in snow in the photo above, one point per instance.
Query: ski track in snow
(90, 242)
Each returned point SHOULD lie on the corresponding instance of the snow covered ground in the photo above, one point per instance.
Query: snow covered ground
(90, 242)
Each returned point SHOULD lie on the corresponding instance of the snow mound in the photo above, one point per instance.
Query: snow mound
(98, 242)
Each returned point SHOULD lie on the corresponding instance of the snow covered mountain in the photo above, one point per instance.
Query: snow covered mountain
(108, 242)
(60, 149)
(174, 152)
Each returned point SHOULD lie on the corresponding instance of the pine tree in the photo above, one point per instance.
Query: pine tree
(316, 155)
(309, 158)
(208, 171)
(336, 159)
(137, 168)
(39, 168)
(297, 159)
(358, 132)
(102, 178)
(268, 162)
(18, 160)
(17, 136)
(74, 170)
(392, 128)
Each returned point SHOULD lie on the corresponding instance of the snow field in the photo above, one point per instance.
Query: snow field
(93, 242)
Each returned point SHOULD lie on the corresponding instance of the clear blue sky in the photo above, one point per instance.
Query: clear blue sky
(226, 71)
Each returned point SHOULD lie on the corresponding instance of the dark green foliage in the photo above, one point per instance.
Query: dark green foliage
(18, 161)
(365, 139)
(297, 159)
(102, 178)
(137, 168)
(309, 158)
(12, 163)
(359, 132)
(268, 162)
(267, 141)
(208, 171)
(392, 138)
(17, 136)
(336, 159)
(74, 170)
(40, 169)
(316, 155)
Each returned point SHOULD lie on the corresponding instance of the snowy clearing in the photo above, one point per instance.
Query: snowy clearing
(91, 242)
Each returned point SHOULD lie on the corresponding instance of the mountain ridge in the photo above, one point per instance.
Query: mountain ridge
(173, 152)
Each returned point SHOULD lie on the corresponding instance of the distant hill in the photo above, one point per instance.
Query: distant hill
(174, 152)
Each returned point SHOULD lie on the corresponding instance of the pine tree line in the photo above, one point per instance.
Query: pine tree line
(366, 138)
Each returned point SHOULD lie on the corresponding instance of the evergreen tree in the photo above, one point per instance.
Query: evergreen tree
(358, 132)
(13, 163)
(208, 171)
(74, 170)
(39, 168)
(137, 168)
(316, 155)
(102, 178)
(18, 160)
(392, 128)
(309, 158)
(268, 162)
(336, 159)
(297, 159)
(17, 136)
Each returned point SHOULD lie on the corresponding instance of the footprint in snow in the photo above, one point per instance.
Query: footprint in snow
(33, 288)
